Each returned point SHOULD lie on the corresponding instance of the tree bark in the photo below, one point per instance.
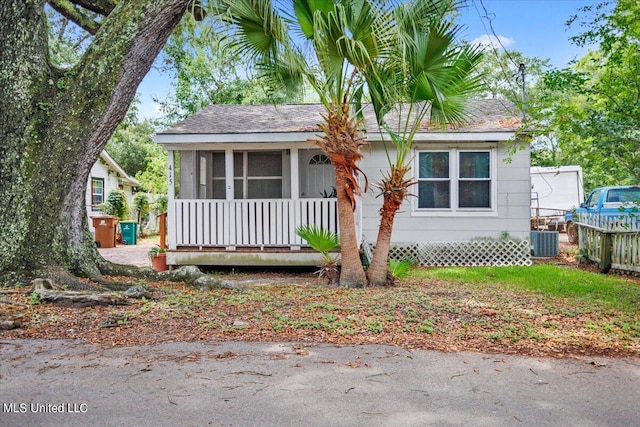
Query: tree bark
(54, 125)
(351, 270)
(378, 270)
(394, 191)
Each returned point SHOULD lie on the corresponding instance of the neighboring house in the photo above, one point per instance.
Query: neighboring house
(106, 175)
(249, 176)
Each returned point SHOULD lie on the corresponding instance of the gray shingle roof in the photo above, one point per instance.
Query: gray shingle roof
(487, 115)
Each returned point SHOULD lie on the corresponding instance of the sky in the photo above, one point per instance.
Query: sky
(534, 27)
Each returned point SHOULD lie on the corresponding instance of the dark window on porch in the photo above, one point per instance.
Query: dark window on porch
(218, 175)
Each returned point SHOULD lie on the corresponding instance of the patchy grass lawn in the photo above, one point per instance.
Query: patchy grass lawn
(550, 280)
(540, 310)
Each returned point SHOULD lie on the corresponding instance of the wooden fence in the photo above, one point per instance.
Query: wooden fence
(612, 242)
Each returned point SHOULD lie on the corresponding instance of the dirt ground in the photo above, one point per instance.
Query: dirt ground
(293, 306)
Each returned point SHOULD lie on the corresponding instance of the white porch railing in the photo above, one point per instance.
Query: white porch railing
(255, 223)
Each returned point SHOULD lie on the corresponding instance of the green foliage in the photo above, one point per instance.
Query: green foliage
(207, 70)
(141, 206)
(329, 194)
(496, 71)
(156, 250)
(323, 241)
(583, 256)
(34, 299)
(320, 239)
(399, 269)
(116, 204)
(154, 178)
(595, 114)
(160, 204)
(548, 279)
(375, 325)
(132, 146)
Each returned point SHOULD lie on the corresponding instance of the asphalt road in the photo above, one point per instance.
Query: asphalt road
(52, 383)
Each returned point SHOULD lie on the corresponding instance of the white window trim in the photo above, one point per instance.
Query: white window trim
(454, 179)
(96, 207)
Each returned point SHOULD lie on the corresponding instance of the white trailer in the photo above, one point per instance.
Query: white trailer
(554, 190)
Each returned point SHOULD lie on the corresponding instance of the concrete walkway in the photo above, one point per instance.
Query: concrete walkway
(129, 254)
(71, 383)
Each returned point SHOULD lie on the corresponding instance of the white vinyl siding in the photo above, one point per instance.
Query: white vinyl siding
(510, 197)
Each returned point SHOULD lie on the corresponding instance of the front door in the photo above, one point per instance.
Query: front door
(318, 175)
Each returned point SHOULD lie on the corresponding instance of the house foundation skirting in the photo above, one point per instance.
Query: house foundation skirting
(245, 258)
(473, 253)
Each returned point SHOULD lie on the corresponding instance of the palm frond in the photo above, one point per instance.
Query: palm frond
(400, 269)
(320, 239)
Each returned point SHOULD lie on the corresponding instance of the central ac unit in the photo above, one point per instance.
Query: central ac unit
(545, 243)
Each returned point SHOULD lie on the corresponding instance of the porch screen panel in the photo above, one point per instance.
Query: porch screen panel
(238, 175)
(218, 190)
(202, 176)
(264, 175)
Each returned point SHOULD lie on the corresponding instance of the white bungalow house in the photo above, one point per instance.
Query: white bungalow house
(248, 177)
(106, 175)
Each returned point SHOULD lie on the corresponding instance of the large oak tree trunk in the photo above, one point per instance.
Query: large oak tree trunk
(54, 124)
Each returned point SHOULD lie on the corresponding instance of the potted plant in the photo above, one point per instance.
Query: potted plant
(158, 258)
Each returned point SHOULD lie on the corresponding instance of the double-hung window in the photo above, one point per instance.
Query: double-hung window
(455, 180)
(97, 193)
(474, 179)
(434, 180)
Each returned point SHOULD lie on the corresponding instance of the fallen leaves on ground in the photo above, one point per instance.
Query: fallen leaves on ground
(426, 314)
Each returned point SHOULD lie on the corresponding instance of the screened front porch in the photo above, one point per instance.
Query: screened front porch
(242, 207)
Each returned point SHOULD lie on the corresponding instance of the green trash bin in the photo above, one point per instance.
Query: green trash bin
(129, 230)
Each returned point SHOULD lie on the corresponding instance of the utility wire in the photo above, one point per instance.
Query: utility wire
(493, 31)
(518, 75)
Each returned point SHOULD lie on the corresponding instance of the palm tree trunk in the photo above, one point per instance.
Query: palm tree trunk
(394, 189)
(351, 270)
(378, 271)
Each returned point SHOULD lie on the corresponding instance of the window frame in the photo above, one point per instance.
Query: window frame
(95, 207)
(454, 180)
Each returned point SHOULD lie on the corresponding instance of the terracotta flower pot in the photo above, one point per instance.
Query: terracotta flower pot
(159, 261)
